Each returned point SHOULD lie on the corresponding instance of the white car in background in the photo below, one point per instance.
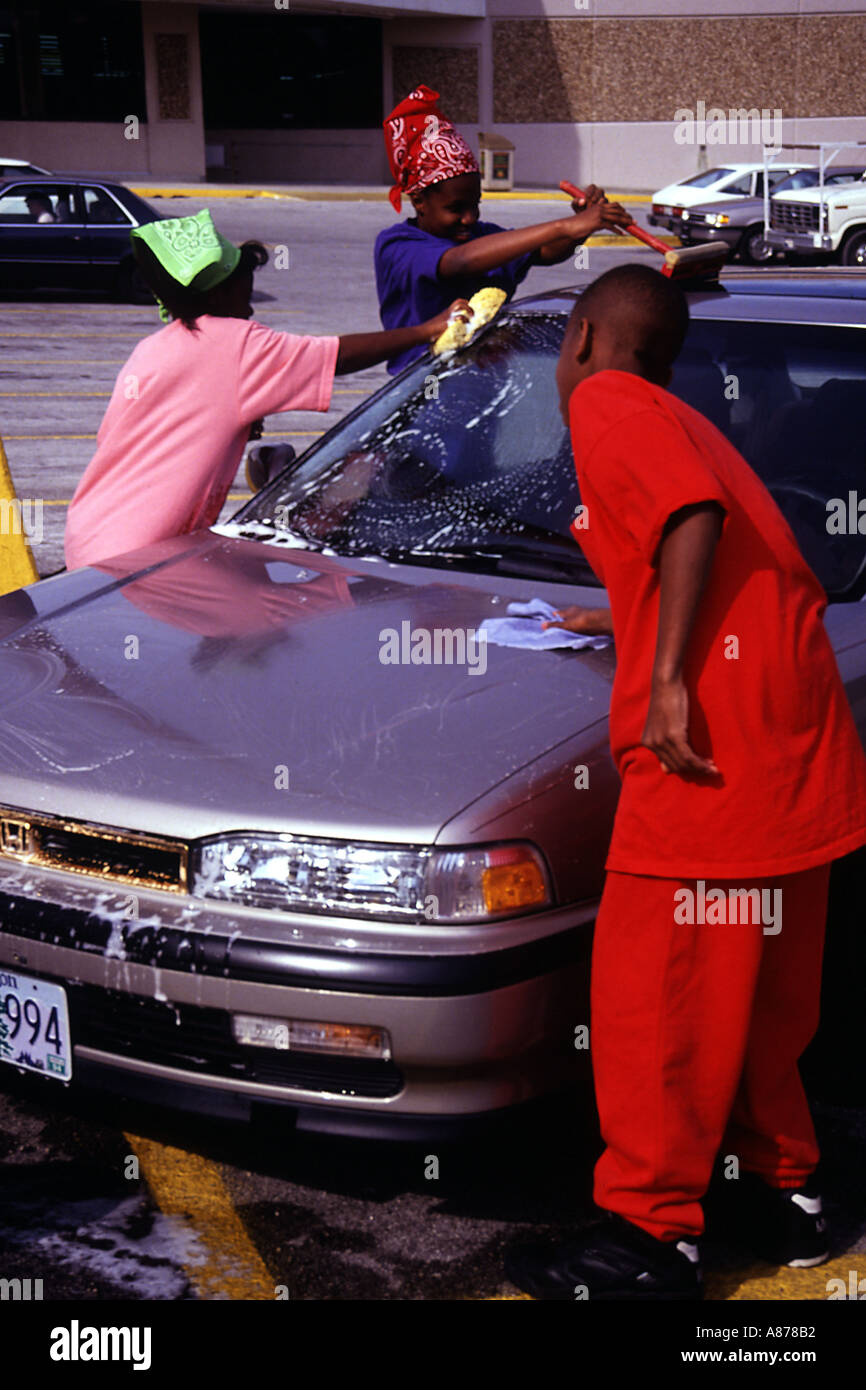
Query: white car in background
(19, 168)
(728, 181)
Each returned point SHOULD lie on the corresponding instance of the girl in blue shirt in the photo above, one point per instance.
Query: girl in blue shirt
(444, 252)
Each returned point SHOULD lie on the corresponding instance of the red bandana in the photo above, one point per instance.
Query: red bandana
(423, 146)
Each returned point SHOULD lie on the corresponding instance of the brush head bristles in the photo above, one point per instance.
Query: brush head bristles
(700, 261)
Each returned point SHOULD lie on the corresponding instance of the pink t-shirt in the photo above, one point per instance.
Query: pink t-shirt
(177, 424)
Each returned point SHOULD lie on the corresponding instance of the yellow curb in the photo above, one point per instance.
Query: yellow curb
(190, 1188)
(145, 191)
(17, 567)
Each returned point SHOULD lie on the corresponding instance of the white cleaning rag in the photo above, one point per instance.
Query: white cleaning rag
(522, 628)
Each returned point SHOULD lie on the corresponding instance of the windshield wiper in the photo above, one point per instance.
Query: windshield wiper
(535, 559)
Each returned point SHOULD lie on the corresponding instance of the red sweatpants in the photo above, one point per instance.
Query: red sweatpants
(695, 1032)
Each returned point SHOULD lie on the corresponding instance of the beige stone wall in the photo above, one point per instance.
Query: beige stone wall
(450, 71)
(585, 69)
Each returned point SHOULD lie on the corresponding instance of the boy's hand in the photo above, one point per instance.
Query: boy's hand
(592, 194)
(591, 622)
(666, 732)
(434, 328)
(598, 214)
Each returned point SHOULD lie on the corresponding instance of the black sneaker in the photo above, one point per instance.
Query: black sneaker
(782, 1225)
(613, 1260)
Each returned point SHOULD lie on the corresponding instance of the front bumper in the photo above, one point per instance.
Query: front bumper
(805, 242)
(693, 233)
(474, 1032)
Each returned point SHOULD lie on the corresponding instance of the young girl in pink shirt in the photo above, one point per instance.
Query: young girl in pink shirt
(183, 404)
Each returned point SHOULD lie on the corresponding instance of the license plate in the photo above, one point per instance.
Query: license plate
(34, 1025)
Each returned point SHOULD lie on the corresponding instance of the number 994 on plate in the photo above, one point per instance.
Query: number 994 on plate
(34, 1025)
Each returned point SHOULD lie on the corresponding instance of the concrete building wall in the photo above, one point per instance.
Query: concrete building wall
(172, 74)
(588, 93)
(301, 156)
(593, 93)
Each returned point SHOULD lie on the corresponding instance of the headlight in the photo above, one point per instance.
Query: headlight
(719, 219)
(289, 873)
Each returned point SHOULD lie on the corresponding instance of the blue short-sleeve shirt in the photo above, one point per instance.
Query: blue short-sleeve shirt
(408, 284)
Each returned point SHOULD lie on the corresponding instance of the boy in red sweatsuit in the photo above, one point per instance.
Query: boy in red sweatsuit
(741, 770)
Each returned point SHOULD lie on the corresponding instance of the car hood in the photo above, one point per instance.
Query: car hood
(831, 193)
(681, 197)
(208, 684)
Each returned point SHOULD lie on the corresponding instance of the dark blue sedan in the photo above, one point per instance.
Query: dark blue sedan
(70, 233)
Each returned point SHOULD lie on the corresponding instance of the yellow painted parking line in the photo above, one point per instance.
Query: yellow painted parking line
(62, 361)
(756, 1282)
(56, 395)
(190, 1189)
(272, 434)
(88, 395)
(40, 333)
(65, 501)
(49, 308)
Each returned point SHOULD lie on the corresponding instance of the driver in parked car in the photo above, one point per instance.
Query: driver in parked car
(39, 208)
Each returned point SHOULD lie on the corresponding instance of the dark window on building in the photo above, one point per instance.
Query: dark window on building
(272, 72)
(10, 97)
(67, 61)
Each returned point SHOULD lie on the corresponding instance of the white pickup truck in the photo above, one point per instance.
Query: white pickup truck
(821, 222)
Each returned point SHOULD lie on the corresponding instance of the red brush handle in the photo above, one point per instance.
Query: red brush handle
(631, 230)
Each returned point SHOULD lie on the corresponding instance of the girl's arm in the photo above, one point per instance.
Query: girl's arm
(360, 350)
(547, 238)
(685, 557)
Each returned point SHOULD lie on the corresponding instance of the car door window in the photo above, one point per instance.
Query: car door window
(799, 419)
(36, 205)
(742, 187)
(103, 210)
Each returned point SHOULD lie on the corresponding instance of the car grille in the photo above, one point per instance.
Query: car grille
(142, 861)
(698, 217)
(200, 1040)
(794, 217)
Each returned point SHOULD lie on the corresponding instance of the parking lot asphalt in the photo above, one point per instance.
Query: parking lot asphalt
(109, 1201)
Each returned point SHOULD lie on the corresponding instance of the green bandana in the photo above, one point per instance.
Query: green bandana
(190, 250)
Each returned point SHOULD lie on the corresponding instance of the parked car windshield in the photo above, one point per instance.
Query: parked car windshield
(467, 461)
(704, 180)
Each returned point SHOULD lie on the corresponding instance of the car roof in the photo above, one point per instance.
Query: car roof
(828, 295)
(719, 204)
(758, 164)
(62, 179)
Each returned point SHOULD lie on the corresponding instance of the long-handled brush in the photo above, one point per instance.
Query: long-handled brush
(681, 262)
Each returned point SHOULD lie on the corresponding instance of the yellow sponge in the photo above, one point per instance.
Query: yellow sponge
(485, 305)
